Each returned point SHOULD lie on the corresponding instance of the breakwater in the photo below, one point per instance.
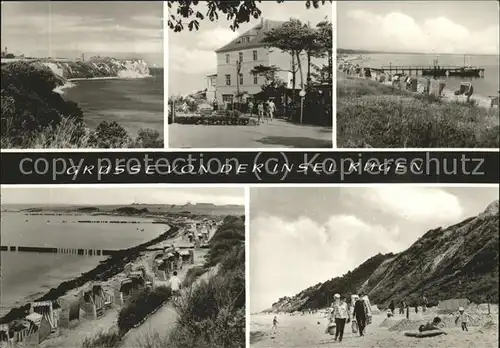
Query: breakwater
(69, 251)
(104, 271)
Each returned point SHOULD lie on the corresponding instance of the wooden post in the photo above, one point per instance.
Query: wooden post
(301, 108)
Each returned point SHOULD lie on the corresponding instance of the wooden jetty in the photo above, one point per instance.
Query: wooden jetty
(437, 71)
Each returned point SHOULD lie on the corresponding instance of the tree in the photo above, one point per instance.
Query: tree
(235, 11)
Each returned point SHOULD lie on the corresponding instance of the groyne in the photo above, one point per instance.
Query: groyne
(104, 271)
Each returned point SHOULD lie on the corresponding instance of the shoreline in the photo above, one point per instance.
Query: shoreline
(448, 94)
(69, 82)
(105, 270)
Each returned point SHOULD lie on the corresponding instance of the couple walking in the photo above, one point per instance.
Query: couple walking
(264, 110)
(341, 314)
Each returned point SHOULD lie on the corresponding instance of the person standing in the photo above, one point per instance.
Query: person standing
(250, 108)
(341, 315)
(260, 112)
(271, 109)
(275, 323)
(392, 307)
(360, 314)
(266, 110)
(425, 302)
(175, 284)
(463, 317)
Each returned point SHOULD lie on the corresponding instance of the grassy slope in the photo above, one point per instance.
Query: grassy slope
(370, 114)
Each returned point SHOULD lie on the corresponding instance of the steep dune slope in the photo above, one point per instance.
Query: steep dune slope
(457, 261)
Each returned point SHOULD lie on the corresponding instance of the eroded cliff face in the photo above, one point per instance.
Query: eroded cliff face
(458, 261)
(97, 67)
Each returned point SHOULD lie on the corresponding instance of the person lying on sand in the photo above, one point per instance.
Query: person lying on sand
(432, 326)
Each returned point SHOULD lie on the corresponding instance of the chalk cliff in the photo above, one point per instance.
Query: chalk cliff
(98, 67)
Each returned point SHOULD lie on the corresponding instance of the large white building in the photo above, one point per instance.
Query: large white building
(251, 52)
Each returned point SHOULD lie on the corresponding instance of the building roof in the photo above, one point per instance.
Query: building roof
(256, 35)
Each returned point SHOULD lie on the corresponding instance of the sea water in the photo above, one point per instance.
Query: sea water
(133, 103)
(28, 275)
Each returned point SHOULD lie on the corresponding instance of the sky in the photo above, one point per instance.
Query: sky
(83, 195)
(68, 29)
(302, 236)
(461, 27)
(192, 56)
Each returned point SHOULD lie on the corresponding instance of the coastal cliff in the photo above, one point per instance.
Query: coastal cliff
(95, 67)
(459, 260)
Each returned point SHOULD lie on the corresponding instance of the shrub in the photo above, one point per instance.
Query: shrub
(213, 120)
(374, 115)
(110, 135)
(141, 305)
(29, 104)
(110, 339)
(212, 314)
(192, 274)
(148, 138)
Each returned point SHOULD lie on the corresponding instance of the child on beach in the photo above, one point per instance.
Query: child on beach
(463, 317)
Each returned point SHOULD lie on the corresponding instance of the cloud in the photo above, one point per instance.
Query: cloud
(397, 30)
(191, 61)
(416, 204)
(215, 38)
(289, 256)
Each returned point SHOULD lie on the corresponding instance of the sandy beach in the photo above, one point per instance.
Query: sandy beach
(74, 336)
(309, 331)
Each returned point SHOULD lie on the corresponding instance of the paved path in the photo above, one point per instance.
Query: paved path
(278, 133)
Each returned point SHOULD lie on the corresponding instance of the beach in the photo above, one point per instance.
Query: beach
(309, 331)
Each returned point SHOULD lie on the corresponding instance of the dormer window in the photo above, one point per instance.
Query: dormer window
(248, 39)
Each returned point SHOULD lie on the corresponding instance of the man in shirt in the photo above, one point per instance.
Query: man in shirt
(360, 314)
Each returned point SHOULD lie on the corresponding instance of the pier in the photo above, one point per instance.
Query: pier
(53, 250)
(438, 71)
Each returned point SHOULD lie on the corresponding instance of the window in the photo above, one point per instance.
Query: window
(228, 80)
(254, 55)
(241, 79)
(227, 58)
(255, 80)
(241, 56)
(227, 98)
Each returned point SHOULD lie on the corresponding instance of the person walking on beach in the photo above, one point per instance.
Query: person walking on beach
(271, 108)
(360, 314)
(392, 307)
(275, 323)
(402, 307)
(463, 317)
(425, 302)
(340, 314)
(260, 112)
(407, 310)
(175, 285)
